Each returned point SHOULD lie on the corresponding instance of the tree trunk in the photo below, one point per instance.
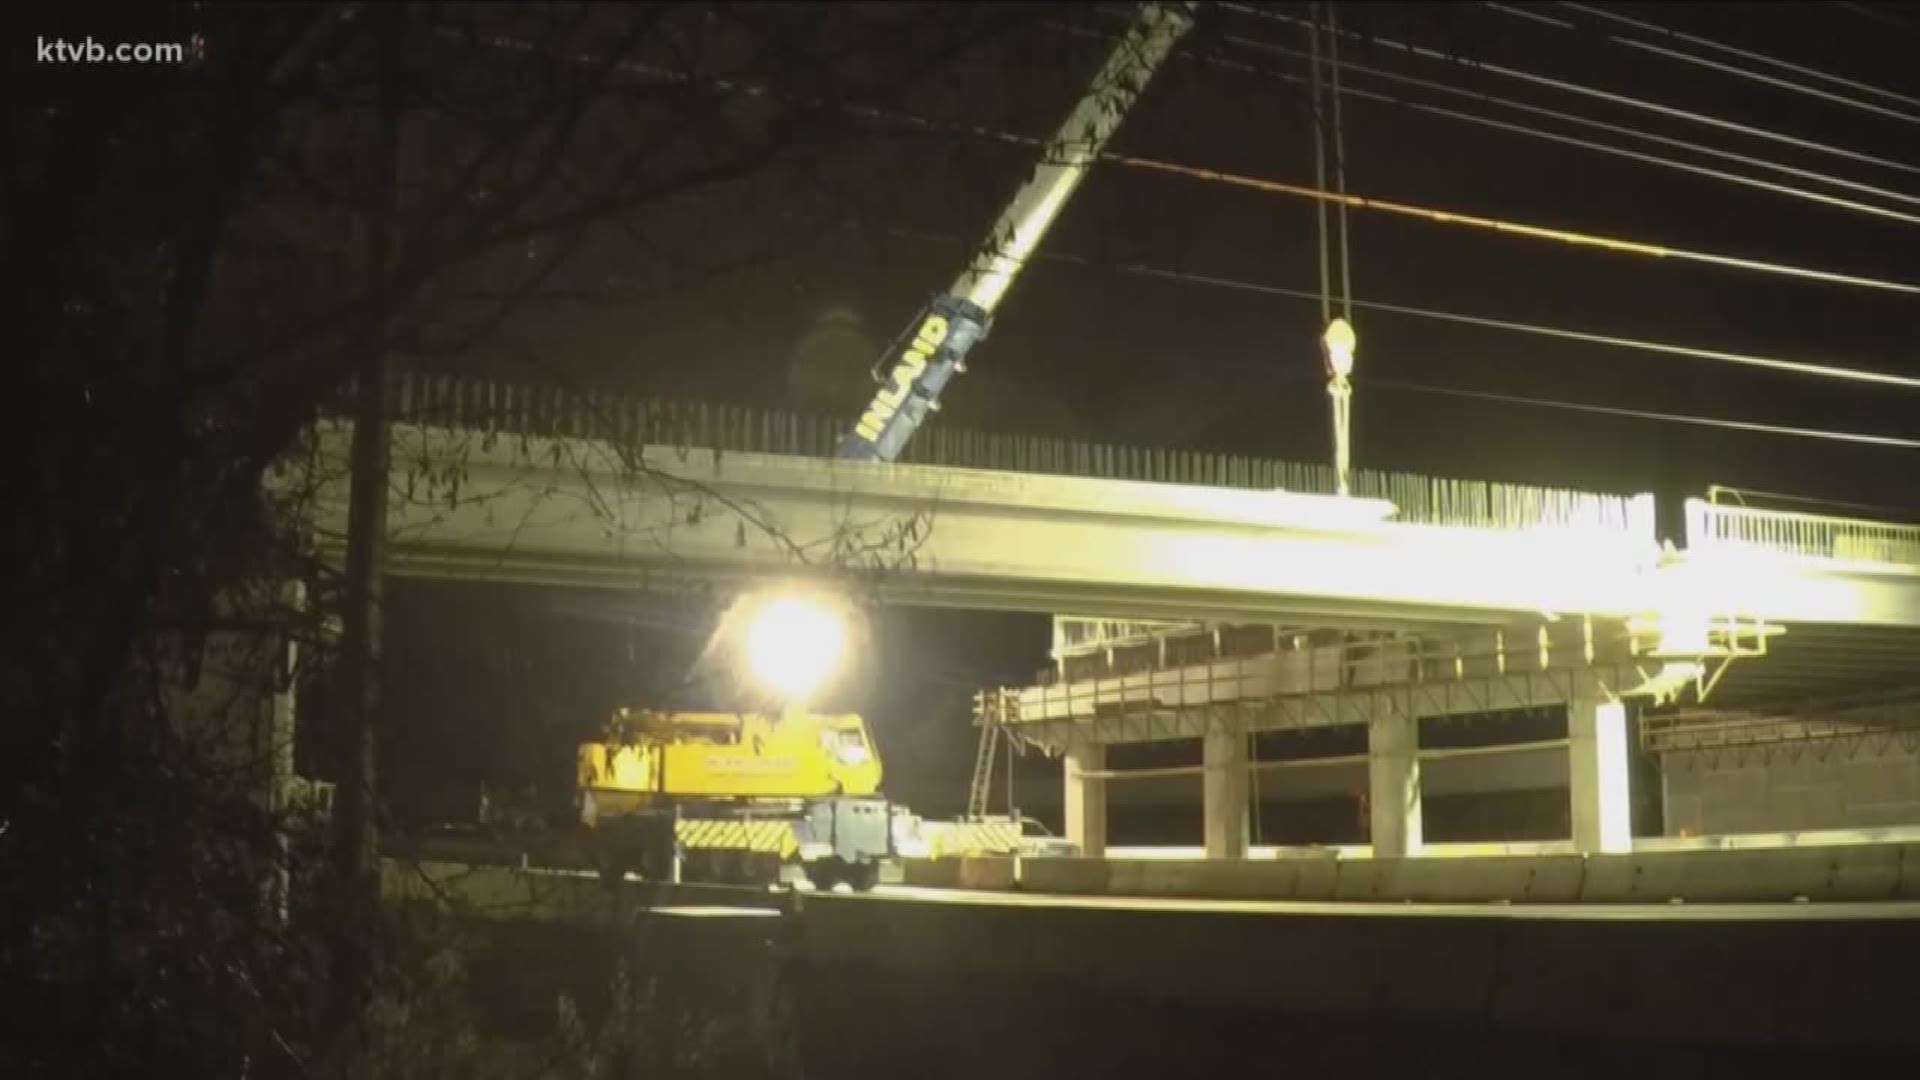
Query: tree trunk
(357, 870)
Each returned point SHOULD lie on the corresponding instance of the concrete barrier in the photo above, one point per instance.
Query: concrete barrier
(989, 873)
(1071, 877)
(986, 873)
(1535, 879)
(509, 894)
(930, 873)
(1779, 875)
(1863, 872)
(1257, 879)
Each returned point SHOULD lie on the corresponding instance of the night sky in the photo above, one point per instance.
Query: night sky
(780, 290)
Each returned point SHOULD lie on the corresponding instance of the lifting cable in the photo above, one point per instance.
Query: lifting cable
(1324, 89)
(1337, 339)
(1339, 161)
(1319, 133)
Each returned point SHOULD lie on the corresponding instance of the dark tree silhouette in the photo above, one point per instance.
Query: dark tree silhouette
(199, 257)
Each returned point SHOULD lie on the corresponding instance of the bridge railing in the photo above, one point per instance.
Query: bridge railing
(556, 411)
(1718, 526)
(1073, 635)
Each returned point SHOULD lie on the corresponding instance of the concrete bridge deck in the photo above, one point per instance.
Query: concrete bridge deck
(582, 511)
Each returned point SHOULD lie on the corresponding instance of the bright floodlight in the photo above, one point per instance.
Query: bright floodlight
(794, 645)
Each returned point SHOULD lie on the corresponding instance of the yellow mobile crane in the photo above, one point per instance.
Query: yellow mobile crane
(736, 797)
(744, 794)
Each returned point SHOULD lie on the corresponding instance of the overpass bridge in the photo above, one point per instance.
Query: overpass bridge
(492, 481)
(1413, 599)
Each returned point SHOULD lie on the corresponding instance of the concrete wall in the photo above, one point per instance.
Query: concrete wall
(1841, 783)
(1031, 986)
(1889, 871)
(1114, 975)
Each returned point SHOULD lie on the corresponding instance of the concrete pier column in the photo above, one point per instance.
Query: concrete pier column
(1224, 789)
(1086, 798)
(1393, 783)
(1598, 778)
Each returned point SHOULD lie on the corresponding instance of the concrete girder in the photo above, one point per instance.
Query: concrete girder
(1519, 690)
(581, 512)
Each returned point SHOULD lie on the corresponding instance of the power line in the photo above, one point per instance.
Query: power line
(1572, 140)
(1700, 61)
(1515, 228)
(1643, 414)
(1798, 367)
(1604, 95)
(1780, 364)
(1758, 58)
(1538, 232)
(1722, 356)
(1585, 121)
(1874, 14)
(1446, 217)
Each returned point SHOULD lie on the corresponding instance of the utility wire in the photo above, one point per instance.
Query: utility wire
(1798, 367)
(1856, 438)
(1598, 147)
(1872, 12)
(1446, 217)
(1604, 95)
(1758, 58)
(1443, 216)
(1721, 356)
(1643, 157)
(1275, 187)
(1515, 228)
(1701, 61)
(1642, 414)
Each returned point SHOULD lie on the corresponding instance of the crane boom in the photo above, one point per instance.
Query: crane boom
(956, 321)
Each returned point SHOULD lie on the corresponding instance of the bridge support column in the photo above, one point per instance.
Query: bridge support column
(1224, 791)
(1393, 783)
(1086, 798)
(1598, 775)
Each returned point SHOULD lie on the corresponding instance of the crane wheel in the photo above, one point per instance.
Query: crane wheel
(863, 876)
(827, 873)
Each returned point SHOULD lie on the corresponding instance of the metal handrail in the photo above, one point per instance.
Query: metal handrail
(1073, 634)
(548, 410)
(1401, 662)
(1712, 526)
